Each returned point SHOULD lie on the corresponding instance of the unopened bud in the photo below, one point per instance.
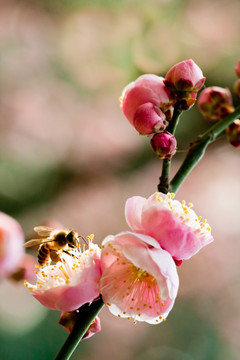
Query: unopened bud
(237, 88)
(147, 88)
(233, 133)
(68, 319)
(237, 68)
(149, 119)
(164, 145)
(185, 76)
(215, 103)
(184, 80)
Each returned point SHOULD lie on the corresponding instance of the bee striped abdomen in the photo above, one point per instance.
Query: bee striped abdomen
(43, 254)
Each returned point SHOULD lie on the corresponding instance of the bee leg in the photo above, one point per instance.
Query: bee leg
(66, 252)
(83, 238)
(55, 257)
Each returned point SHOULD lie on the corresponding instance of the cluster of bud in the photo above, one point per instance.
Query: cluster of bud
(216, 102)
(148, 103)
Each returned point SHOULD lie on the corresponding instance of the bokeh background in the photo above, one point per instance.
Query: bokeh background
(68, 155)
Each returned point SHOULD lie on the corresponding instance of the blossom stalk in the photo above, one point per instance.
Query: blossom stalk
(198, 148)
(85, 316)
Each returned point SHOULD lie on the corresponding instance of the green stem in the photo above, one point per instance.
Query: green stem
(198, 147)
(163, 185)
(174, 122)
(164, 178)
(85, 316)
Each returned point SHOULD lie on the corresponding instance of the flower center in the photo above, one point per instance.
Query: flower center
(138, 274)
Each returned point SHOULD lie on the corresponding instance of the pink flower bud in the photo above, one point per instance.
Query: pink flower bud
(237, 68)
(68, 319)
(237, 88)
(233, 133)
(147, 88)
(94, 328)
(164, 145)
(185, 76)
(149, 119)
(11, 245)
(215, 102)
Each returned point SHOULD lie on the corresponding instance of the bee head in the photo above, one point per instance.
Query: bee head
(72, 239)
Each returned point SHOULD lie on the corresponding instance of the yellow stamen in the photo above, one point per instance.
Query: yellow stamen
(64, 272)
(91, 236)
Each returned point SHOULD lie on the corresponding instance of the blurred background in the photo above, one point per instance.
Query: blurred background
(68, 155)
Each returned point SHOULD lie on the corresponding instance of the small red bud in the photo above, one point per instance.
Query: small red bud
(164, 145)
(237, 88)
(237, 68)
(233, 133)
(215, 103)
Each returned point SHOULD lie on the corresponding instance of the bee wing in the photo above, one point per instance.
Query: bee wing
(43, 230)
(35, 242)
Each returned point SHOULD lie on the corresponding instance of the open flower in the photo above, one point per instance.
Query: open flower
(139, 278)
(69, 283)
(174, 225)
(11, 245)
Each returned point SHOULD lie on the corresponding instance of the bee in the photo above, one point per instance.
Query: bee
(52, 243)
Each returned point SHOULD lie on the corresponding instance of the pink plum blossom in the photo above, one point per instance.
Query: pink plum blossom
(215, 102)
(149, 119)
(11, 245)
(139, 278)
(185, 76)
(174, 225)
(147, 88)
(70, 283)
(164, 145)
(68, 319)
